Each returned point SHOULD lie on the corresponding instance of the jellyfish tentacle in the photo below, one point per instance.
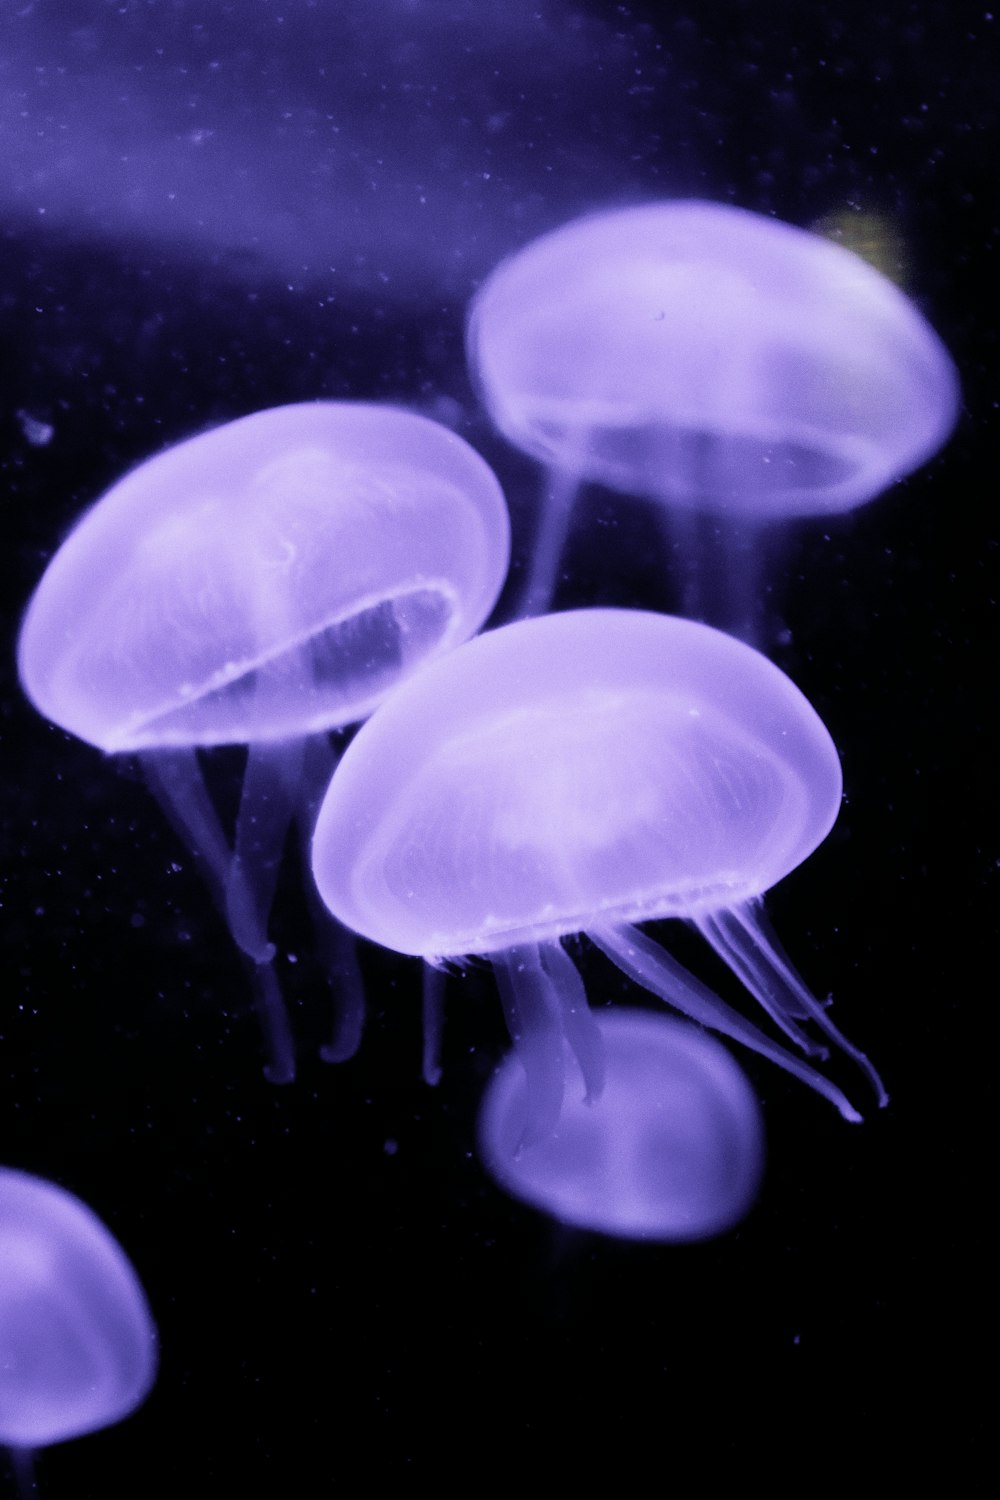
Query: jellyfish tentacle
(432, 1014)
(561, 487)
(174, 777)
(579, 1025)
(339, 956)
(272, 1015)
(729, 939)
(645, 962)
(529, 1005)
(771, 972)
(175, 780)
(267, 805)
(722, 562)
(338, 949)
(765, 928)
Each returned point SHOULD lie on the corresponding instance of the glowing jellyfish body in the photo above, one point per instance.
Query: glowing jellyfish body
(671, 1150)
(78, 1348)
(585, 772)
(261, 584)
(709, 359)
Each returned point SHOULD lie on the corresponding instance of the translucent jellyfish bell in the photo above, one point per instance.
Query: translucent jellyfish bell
(671, 1150)
(586, 772)
(708, 359)
(261, 584)
(78, 1348)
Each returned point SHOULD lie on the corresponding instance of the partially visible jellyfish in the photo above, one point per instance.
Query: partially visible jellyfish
(672, 1149)
(78, 1348)
(263, 584)
(735, 370)
(588, 771)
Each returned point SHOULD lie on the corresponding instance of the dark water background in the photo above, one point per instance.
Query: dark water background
(207, 210)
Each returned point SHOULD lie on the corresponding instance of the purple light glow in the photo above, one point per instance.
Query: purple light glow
(345, 147)
(262, 584)
(709, 359)
(586, 772)
(78, 1348)
(671, 1150)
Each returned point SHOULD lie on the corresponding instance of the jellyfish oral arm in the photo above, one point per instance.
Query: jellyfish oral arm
(741, 939)
(580, 1028)
(337, 948)
(283, 784)
(561, 486)
(532, 1020)
(175, 780)
(432, 1016)
(174, 777)
(267, 805)
(645, 962)
(544, 1003)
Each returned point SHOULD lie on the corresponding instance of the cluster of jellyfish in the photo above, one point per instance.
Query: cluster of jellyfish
(324, 565)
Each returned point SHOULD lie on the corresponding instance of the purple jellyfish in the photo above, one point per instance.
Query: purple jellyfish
(672, 1150)
(78, 1348)
(260, 585)
(586, 772)
(713, 361)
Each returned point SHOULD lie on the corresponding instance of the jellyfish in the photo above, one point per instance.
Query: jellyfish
(262, 584)
(78, 1348)
(735, 370)
(587, 772)
(671, 1150)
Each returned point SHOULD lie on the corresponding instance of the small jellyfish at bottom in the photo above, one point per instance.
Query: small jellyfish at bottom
(733, 370)
(672, 1149)
(261, 585)
(78, 1347)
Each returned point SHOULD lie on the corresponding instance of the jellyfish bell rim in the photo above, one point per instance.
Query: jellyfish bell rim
(161, 727)
(109, 1263)
(53, 664)
(657, 906)
(866, 472)
(354, 828)
(497, 1130)
(861, 467)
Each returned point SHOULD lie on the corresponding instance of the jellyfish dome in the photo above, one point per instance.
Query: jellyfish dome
(672, 1150)
(260, 585)
(78, 1348)
(586, 771)
(700, 354)
(265, 580)
(730, 368)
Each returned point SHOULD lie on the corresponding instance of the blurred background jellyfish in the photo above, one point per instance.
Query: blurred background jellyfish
(672, 1149)
(260, 585)
(588, 771)
(732, 369)
(78, 1349)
